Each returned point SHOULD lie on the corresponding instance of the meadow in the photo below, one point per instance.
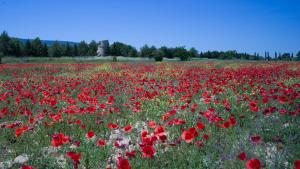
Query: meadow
(169, 115)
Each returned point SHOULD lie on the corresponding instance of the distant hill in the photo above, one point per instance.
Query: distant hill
(49, 42)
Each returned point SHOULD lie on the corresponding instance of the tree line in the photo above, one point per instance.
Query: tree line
(14, 47)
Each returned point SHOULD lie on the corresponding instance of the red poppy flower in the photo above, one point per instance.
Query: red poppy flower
(253, 106)
(27, 167)
(83, 126)
(253, 164)
(102, 106)
(59, 139)
(152, 124)
(144, 133)
(297, 164)
(256, 139)
(205, 136)
(56, 117)
(123, 163)
(201, 126)
(78, 121)
(21, 130)
(283, 99)
(178, 121)
(130, 154)
(159, 130)
(226, 125)
(117, 144)
(113, 126)
(149, 140)
(90, 135)
(242, 156)
(189, 135)
(128, 128)
(75, 157)
(148, 151)
(163, 138)
(101, 143)
(111, 100)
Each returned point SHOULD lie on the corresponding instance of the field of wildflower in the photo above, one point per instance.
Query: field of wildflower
(181, 115)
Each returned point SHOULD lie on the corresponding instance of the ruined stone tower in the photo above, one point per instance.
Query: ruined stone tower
(103, 47)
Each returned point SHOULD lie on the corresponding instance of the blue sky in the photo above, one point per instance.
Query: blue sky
(244, 25)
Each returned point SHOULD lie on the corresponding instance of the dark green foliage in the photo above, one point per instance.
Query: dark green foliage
(121, 49)
(68, 50)
(298, 56)
(194, 53)
(115, 49)
(1, 56)
(159, 55)
(147, 51)
(83, 48)
(28, 48)
(19, 47)
(4, 43)
(115, 59)
(231, 54)
(14, 48)
(93, 48)
(37, 47)
(75, 51)
(285, 56)
(45, 52)
(167, 52)
(56, 50)
(181, 53)
(133, 52)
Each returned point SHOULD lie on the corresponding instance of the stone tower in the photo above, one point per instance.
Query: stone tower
(103, 47)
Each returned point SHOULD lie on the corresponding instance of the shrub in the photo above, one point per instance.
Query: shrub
(158, 58)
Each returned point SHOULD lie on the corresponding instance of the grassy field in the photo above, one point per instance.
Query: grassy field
(94, 59)
(180, 115)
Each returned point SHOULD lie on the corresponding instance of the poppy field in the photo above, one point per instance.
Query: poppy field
(183, 115)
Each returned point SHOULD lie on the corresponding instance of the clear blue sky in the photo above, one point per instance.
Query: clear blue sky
(244, 25)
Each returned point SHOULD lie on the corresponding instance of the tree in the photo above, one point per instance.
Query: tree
(286, 56)
(182, 53)
(166, 52)
(121, 49)
(28, 48)
(298, 55)
(116, 49)
(225, 55)
(159, 54)
(83, 48)
(37, 47)
(132, 52)
(193, 53)
(75, 50)
(45, 51)
(147, 51)
(56, 50)
(4, 43)
(93, 48)
(68, 50)
(279, 57)
(14, 47)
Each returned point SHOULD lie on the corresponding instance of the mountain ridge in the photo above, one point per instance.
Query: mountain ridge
(48, 42)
